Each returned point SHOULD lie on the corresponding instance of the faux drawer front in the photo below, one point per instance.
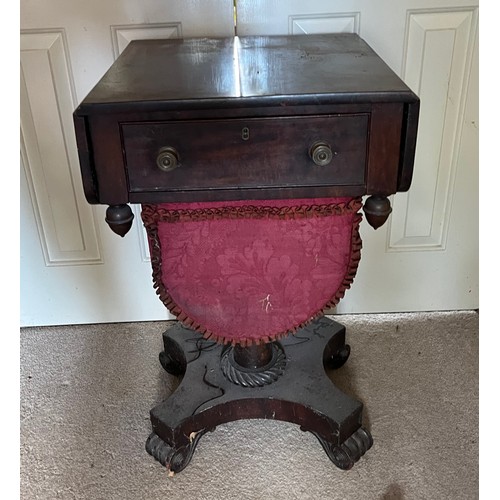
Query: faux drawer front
(246, 153)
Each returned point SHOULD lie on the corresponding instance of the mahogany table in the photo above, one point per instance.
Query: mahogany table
(249, 118)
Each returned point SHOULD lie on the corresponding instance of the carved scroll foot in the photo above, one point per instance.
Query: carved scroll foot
(350, 451)
(175, 459)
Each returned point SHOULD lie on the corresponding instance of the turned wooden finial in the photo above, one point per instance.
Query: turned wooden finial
(377, 209)
(119, 219)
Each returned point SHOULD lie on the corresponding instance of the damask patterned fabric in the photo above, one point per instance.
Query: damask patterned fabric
(247, 272)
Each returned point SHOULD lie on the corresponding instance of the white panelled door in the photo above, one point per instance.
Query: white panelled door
(75, 270)
(426, 256)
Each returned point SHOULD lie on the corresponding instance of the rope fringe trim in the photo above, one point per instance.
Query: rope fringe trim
(152, 215)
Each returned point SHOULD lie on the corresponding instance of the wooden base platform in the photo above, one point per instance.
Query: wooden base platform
(220, 385)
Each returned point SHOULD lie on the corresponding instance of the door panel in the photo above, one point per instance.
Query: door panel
(426, 256)
(65, 224)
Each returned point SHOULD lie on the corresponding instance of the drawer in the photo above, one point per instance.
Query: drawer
(246, 153)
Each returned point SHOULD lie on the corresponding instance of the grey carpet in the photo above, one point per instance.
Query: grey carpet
(86, 392)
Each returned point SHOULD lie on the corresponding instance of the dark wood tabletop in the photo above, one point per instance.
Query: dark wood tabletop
(238, 71)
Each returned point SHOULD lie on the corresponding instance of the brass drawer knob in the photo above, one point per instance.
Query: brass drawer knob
(321, 153)
(168, 159)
